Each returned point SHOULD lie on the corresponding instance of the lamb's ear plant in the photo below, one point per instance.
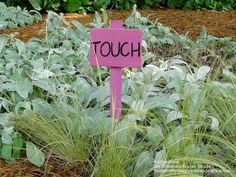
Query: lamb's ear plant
(61, 103)
(162, 43)
(13, 17)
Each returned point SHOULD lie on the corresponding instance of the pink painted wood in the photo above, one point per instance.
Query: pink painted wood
(115, 91)
(116, 82)
(116, 46)
(128, 53)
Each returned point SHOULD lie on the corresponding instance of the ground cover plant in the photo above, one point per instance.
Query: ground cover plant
(54, 105)
(13, 17)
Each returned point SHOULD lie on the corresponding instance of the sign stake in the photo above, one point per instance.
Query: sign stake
(115, 91)
(115, 81)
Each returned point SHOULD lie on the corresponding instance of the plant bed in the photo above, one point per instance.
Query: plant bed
(176, 108)
(183, 21)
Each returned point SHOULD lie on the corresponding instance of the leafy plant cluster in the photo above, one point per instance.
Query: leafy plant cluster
(95, 5)
(21, 3)
(13, 17)
(199, 4)
(88, 5)
(51, 95)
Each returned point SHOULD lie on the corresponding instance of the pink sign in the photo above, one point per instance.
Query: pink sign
(116, 47)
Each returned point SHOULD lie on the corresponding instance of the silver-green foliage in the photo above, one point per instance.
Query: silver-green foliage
(13, 17)
(163, 43)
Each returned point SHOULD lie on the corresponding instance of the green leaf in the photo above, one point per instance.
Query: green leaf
(42, 107)
(37, 4)
(17, 147)
(154, 134)
(160, 162)
(105, 16)
(26, 105)
(173, 115)
(72, 5)
(144, 164)
(50, 88)
(42, 74)
(214, 123)
(3, 41)
(176, 3)
(209, 3)
(23, 88)
(160, 156)
(203, 34)
(6, 152)
(202, 72)
(190, 4)
(34, 154)
(97, 21)
(200, 2)
(20, 46)
(6, 134)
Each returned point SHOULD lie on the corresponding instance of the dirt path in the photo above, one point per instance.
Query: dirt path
(220, 24)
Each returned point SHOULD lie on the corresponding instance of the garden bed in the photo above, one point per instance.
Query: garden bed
(58, 104)
(219, 24)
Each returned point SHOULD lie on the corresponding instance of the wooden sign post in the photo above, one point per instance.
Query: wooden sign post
(116, 47)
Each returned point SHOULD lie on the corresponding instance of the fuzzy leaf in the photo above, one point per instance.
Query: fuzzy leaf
(34, 154)
(42, 107)
(144, 164)
(23, 88)
(214, 122)
(202, 72)
(37, 4)
(173, 115)
(3, 41)
(6, 152)
(154, 134)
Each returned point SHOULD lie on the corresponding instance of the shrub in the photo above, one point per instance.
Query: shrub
(96, 5)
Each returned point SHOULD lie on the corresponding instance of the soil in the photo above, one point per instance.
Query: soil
(23, 168)
(219, 24)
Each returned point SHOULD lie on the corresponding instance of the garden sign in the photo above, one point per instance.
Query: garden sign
(116, 47)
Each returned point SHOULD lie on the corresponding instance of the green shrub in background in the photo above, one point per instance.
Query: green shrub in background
(198, 4)
(21, 3)
(96, 5)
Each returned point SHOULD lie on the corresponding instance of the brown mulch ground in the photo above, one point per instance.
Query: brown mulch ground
(23, 168)
(220, 24)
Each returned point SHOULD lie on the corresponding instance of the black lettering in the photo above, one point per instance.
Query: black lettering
(95, 45)
(135, 50)
(109, 49)
(118, 50)
(121, 49)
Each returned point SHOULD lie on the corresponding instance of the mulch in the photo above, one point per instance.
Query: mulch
(219, 24)
(23, 168)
